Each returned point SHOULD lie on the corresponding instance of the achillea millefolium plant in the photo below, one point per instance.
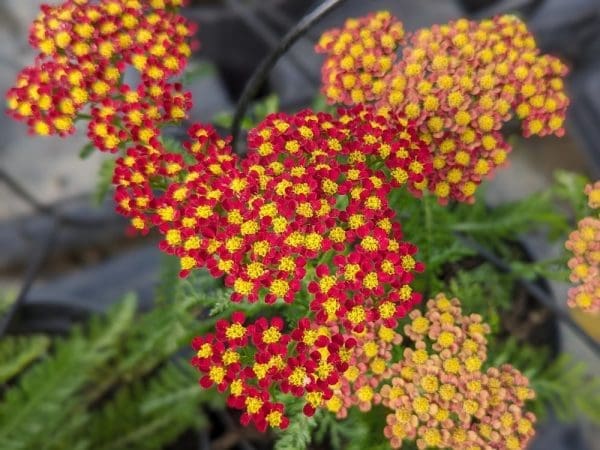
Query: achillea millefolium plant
(301, 228)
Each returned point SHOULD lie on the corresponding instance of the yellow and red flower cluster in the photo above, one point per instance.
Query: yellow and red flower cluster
(257, 361)
(584, 243)
(361, 56)
(303, 210)
(460, 82)
(86, 50)
(304, 217)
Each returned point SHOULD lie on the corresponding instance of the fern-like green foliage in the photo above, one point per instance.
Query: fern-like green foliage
(429, 226)
(298, 435)
(164, 330)
(569, 388)
(39, 412)
(113, 384)
(437, 230)
(483, 290)
(146, 415)
(168, 279)
(342, 434)
(569, 187)
(17, 352)
(510, 219)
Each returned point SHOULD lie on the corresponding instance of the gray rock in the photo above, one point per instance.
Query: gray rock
(98, 286)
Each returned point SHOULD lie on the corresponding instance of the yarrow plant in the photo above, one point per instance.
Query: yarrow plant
(301, 229)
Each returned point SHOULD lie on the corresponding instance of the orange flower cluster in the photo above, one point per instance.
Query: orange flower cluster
(440, 395)
(363, 53)
(584, 243)
(460, 82)
(369, 365)
(86, 49)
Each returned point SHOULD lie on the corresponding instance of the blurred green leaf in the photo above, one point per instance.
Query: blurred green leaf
(196, 70)
(104, 182)
(86, 150)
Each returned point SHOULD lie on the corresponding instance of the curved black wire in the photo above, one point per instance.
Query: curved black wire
(535, 291)
(31, 274)
(264, 32)
(262, 71)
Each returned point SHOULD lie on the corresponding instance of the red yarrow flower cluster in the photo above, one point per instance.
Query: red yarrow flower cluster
(303, 217)
(152, 187)
(86, 50)
(459, 82)
(305, 196)
(255, 362)
(584, 243)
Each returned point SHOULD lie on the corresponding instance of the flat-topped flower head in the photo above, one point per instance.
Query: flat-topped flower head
(459, 82)
(361, 54)
(303, 191)
(84, 51)
(255, 362)
(441, 396)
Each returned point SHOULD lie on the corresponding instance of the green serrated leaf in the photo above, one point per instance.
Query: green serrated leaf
(569, 186)
(18, 352)
(148, 415)
(298, 435)
(35, 412)
(507, 220)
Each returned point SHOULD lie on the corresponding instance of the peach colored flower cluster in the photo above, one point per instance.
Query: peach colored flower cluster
(460, 82)
(441, 396)
(593, 193)
(368, 366)
(584, 243)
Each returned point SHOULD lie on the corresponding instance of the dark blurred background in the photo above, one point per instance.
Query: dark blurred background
(90, 267)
